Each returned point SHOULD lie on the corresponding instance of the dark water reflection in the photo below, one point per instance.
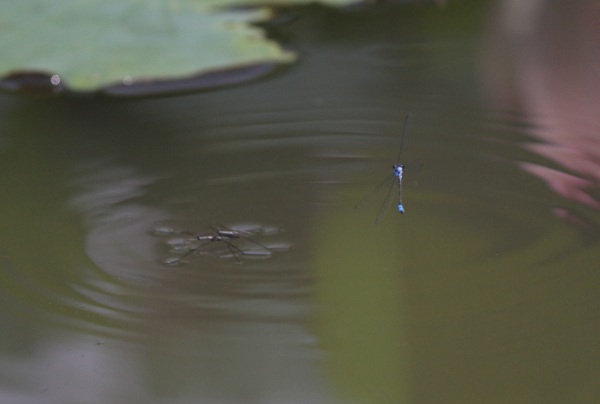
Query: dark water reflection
(481, 292)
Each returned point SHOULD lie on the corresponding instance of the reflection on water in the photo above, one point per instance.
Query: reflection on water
(479, 293)
(552, 77)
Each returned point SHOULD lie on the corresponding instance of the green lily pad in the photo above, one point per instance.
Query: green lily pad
(91, 44)
(233, 3)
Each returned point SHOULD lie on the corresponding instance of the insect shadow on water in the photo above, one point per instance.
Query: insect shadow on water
(220, 234)
(392, 182)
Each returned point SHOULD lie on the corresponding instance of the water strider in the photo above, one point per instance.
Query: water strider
(223, 235)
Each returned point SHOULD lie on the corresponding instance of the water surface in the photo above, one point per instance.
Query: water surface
(484, 291)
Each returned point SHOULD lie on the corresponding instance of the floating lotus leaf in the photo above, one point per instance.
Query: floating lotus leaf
(91, 44)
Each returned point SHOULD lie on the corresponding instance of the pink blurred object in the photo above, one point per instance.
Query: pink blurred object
(542, 59)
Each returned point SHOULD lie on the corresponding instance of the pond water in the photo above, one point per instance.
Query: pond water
(485, 290)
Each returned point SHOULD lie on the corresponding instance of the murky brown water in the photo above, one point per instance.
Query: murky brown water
(484, 291)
